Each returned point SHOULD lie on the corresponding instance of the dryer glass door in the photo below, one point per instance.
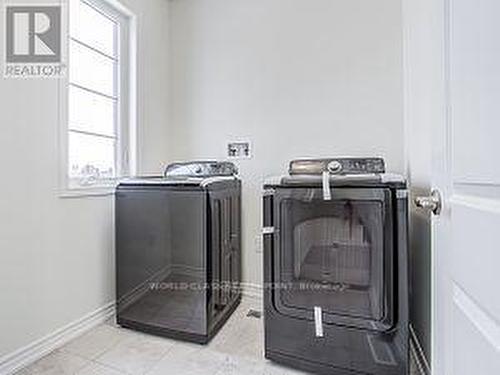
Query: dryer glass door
(335, 255)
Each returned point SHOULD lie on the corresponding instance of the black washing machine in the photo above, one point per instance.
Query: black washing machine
(178, 250)
(336, 268)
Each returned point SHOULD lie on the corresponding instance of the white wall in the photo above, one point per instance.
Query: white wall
(298, 78)
(57, 255)
(420, 114)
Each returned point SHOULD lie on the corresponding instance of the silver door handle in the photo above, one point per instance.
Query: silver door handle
(432, 203)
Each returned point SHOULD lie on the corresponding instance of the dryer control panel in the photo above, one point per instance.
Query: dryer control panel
(337, 166)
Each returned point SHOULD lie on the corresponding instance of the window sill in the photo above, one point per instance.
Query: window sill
(97, 191)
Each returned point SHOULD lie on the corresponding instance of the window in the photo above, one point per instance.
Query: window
(98, 105)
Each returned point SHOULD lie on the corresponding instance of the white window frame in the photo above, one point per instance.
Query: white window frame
(126, 148)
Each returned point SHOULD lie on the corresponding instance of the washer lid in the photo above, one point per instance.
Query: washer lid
(175, 181)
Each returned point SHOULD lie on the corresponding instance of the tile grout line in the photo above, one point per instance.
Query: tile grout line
(227, 359)
(160, 359)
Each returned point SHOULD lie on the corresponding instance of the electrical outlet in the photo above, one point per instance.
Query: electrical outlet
(239, 150)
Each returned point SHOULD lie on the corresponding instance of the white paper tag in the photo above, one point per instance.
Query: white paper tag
(327, 192)
(318, 321)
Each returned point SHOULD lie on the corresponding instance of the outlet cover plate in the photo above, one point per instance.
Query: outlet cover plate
(239, 150)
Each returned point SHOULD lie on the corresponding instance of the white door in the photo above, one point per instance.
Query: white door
(462, 59)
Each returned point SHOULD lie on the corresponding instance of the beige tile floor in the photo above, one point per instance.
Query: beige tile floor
(110, 350)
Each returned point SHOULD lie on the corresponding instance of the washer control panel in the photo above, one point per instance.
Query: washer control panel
(337, 166)
(201, 169)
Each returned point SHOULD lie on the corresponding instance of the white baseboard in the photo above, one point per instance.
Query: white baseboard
(13, 362)
(253, 291)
